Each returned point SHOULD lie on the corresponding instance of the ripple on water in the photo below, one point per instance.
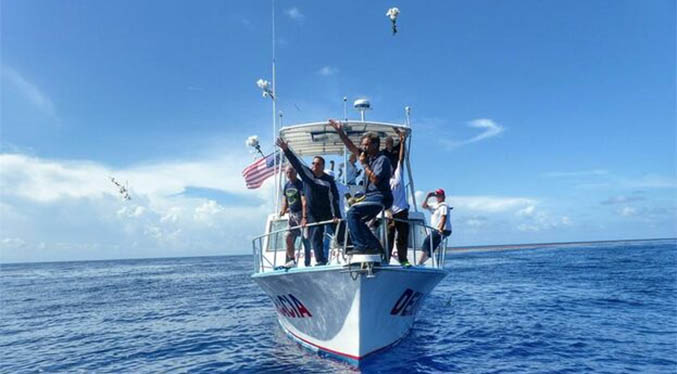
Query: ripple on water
(591, 308)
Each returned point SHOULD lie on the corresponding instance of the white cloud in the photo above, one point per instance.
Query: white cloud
(30, 91)
(490, 127)
(475, 222)
(490, 204)
(295, 14)
(622, 199)
(516, 213)
(68, 210)
(627, 211)
(580, 173)
(327, 71)
(651, 181)
(12, 243)
(527, 211)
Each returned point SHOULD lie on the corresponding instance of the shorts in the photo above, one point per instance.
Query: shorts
(294, 220)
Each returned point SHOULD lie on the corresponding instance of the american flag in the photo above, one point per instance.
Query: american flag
(260, 170)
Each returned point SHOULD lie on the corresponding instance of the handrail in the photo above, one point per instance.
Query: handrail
(429, 228)
(298, 227)
(437, 259)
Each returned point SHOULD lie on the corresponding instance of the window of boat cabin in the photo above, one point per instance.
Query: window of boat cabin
(416, 233)
(277, 241)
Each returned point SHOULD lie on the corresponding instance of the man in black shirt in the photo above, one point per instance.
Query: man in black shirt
(322, 198)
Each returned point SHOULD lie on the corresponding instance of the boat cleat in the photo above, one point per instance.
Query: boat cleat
(361, 259)
(366, 263)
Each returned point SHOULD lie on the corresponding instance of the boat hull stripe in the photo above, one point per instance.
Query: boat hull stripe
(341, 354)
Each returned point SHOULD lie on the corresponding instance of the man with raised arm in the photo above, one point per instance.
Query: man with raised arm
(321, 197)
(377, 173)
(440, 220)
(400, 208)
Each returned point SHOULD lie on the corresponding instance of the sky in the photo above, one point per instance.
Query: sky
(544, 121)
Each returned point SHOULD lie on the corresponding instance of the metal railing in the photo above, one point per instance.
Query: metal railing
(338, 250)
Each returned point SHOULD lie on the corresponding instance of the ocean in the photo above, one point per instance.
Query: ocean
(595, 307)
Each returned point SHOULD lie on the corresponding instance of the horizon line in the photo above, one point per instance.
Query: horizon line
(451, 250)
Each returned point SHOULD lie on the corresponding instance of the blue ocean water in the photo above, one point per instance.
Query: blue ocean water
(604, 308)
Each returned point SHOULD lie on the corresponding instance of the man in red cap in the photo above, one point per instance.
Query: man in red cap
(440, 220)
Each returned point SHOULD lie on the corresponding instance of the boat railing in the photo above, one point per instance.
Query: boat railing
(438, 258)
(338, 252)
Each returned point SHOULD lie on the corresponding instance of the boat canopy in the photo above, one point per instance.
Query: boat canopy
(319, 138)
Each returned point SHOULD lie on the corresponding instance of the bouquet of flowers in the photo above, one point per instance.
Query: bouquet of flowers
(392, 13)
(253, 142)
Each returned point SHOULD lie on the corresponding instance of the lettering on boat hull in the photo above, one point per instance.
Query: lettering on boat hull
(290, 306)
(407, 304)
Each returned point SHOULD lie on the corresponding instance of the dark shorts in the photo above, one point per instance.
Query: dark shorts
(435, 238)
(294, 220)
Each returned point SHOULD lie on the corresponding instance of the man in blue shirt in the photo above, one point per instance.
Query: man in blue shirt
(321, 197)
(377, 173)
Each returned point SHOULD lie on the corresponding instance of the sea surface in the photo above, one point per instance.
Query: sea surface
(602, 308)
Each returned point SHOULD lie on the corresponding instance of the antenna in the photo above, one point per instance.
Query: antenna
(345, 109)
(362, 105)
(407, 114)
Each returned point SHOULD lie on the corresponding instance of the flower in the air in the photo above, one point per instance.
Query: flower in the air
(265, 86)
(392, 13)
(252, 141)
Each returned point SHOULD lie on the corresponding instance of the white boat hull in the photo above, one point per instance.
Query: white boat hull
(344, 314)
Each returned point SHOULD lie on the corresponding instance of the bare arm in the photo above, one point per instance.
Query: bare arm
(304, 215)
(443, 222)
(373, 178)
(284, 206)
(338, 126)
(425, 201)
(403, 137)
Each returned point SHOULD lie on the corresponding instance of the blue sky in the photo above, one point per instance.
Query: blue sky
(544, 120)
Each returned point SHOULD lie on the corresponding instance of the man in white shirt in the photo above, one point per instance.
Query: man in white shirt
(400, 208)
(440, 220)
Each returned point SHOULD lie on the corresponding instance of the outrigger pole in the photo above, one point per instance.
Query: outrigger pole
(276, 194)
(412, 191)
(345, 149)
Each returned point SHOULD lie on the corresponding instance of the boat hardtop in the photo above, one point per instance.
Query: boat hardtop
(319, 138)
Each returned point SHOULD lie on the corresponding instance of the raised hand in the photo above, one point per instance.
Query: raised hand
(401, 134)
(363, 158)
(337, 125)
(282, 144)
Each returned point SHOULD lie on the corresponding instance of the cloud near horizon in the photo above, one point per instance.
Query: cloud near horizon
(65, 210)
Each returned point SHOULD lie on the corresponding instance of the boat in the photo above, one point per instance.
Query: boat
(355, 306)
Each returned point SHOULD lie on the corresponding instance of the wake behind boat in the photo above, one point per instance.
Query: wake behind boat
(355, 305)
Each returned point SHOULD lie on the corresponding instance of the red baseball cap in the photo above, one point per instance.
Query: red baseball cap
(440, 191)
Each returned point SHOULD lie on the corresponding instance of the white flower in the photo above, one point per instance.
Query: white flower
(392, 13)
(263, 84)
(252, 141)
